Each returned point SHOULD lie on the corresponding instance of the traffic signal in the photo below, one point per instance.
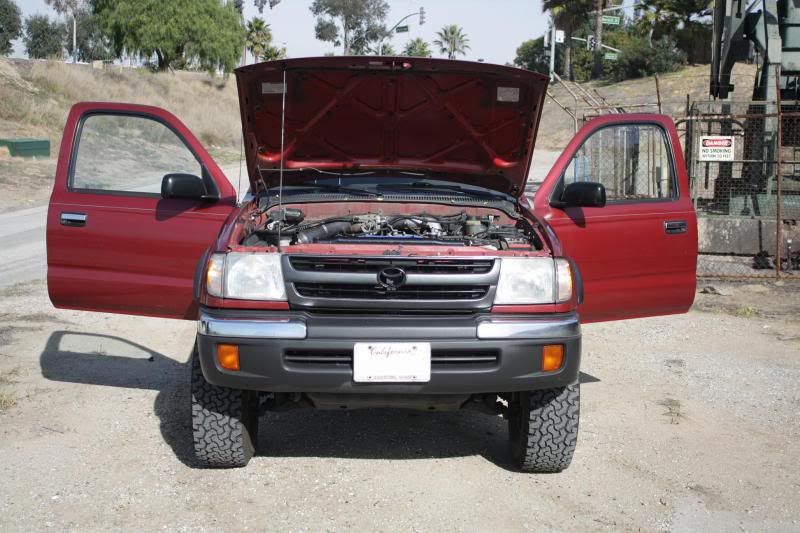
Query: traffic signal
(591, 41)
(421, 16)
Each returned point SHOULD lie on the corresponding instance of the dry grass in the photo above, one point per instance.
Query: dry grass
(35, 97)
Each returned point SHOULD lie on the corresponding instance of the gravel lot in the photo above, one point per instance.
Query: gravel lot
(688, 423)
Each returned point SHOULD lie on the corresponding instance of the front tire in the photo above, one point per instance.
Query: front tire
(224, 422)
(543, 428)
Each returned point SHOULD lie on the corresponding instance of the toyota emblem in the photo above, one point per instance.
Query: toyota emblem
(392, 278)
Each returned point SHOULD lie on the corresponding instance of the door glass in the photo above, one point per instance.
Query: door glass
(127, 153)
(632, 162)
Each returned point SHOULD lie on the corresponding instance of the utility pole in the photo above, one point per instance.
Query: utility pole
(552, 49)
(597, 68)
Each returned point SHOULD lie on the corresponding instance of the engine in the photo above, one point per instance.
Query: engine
(288, 227)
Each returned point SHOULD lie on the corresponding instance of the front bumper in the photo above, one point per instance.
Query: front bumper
(290, 351)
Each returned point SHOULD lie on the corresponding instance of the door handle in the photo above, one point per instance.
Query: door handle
(674, 227)
(73, 219)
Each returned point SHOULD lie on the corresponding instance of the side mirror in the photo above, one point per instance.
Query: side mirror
(184, 187)
(582, 194)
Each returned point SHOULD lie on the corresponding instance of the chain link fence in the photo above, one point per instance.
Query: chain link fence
(743, 160)
(748, 199)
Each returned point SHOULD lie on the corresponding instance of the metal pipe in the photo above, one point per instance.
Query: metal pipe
(779, 175)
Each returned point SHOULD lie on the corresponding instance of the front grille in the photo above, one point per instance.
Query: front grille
(431, 284)
(377, 292)
(355, 265)
(440, 358)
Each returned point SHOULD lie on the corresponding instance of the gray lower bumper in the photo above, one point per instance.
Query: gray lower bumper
(476, 353)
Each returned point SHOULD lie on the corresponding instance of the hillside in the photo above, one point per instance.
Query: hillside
(35, 97)
(638, 95)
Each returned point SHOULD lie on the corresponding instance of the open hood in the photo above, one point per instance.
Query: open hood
(460, 121)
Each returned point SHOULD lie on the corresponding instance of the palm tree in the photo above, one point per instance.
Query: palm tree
(259, 38)
(417, 48)
(568, 14)
(452, 41)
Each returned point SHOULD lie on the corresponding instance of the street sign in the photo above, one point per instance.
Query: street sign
(559, 36)
(401, 29)
(611, 56)
(611, 20)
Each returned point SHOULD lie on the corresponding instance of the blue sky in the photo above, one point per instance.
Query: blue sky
(495, 27)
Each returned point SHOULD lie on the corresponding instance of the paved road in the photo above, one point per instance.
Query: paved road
(22, 232)
(22, 242)
(22, 239)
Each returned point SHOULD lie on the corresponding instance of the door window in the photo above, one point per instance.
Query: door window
(632, 161)
(128, 154)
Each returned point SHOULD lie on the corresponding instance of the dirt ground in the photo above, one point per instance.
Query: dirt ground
(689, 423)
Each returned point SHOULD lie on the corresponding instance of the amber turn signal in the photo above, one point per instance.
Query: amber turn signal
(228, 356)
(552, 357)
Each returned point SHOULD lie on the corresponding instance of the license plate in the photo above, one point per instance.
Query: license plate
(392, 362)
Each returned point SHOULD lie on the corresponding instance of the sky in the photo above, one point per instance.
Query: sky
(495, 27)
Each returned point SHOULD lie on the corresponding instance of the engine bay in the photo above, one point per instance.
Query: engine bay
(289, 226)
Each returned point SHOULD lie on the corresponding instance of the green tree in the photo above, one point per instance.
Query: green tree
(386, 50)
(355, 25)
(259, 41)
(452, 41)
(417, 48)
(687, 22)
(70, 9)
(532, 55)
(261, 3)
(204, 33)
(271, 53)
(568, 16)
(637, 59)
(259, 37)
(44, 38)
(10, 25)
(90, 42)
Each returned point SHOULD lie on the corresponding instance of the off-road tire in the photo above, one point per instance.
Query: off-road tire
(224, 422)
(543, 428)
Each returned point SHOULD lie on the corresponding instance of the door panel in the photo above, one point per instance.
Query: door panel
(638, 254)
(113, 244)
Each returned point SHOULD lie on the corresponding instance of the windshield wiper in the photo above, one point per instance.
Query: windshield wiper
(423, 185)
(336, 188)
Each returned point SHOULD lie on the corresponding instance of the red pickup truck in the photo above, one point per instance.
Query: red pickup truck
(386, 254)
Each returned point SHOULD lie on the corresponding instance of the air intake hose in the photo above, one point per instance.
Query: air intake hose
(323, 231)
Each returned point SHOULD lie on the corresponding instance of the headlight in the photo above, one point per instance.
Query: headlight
(246, 276)
(526, 280)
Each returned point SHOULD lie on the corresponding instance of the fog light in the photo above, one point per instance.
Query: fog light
(552, 357)
(228, 356)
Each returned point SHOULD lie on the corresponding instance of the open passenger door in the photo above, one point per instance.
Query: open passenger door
(637, 255)
(137, 201)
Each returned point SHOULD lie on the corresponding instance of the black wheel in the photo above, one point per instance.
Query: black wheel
(543, 428)
(224, 422)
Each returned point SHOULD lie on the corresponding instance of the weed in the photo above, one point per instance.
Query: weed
(673, 409)
(7, 400)
(6, 378)
(745, 311)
